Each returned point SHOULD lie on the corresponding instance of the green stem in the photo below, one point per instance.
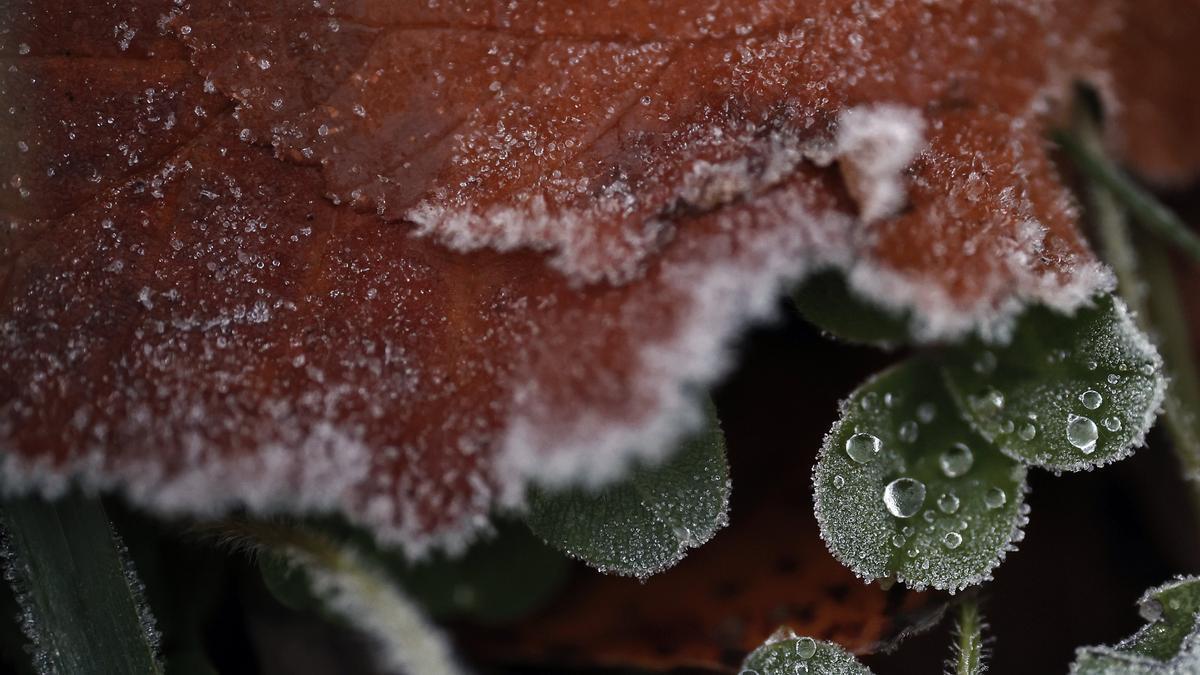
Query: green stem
(1086, 152)
(1145, 282)
(968, 647)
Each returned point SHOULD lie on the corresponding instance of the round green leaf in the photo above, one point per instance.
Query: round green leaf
(786, 654)
(647, 522)
(1068, 392)
(1169, 644)
(903, 487)
(826, 300)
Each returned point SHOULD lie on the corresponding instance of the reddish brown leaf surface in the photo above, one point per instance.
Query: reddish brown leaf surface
(399, 258)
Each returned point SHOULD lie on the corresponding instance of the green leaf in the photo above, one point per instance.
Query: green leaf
(904, 487)
(786, 654)
(81, 602)
(647, 522)
(496, 580)
(1069, 392)
(826, 300)
(1169, 644)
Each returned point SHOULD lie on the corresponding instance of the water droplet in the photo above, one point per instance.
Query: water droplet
(1027, 432)
(839, 482)
(990, 403)
(1091, 399)
(909, 431)
(952, 540)
(948, 502)
(994, 498)
(1113, 378)
(956, 461)
(985, 364)
(907, 530)
(870, 401)
(926, 412)
(904, 496)
(1082, 433)
(806, 647)
(1092, 365)
(898, 541)
(1112, 423)
(1007, 426)
(863, 448)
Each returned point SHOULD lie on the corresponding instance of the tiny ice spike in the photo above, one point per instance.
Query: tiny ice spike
(410, 257)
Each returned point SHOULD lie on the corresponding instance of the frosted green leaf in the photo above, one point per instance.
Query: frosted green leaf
(1169, 644)
(1069, 392)
(647, 522)
(785, 654)
(82, 605)
(827, 301)
(940, 510)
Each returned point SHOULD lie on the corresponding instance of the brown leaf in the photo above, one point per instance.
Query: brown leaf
(562, 213)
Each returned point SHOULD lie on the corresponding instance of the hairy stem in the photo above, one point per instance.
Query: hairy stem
(356, 589)
(968, 647)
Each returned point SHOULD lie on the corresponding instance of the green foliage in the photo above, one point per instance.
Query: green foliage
(1169, 644)
(499, 578)
(1068, 392)
(81, 602)
(905, 488)
(647, 522)
(786, 654)
(826, 300)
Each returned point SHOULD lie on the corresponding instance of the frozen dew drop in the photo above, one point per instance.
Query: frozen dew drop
(1027, 432)
(806, 647)
(994, 498)
(898, 541)
(952, 540)
(1091, 399)
(1082, 433)
(985, 364)
(839, 482)
(948, 502)
(956, 461)
(991, 403)
(870, 401)
(904, 496)
(909, 431)
(1112, 423)
(863, 448)
(1113, 378)
(926, 412)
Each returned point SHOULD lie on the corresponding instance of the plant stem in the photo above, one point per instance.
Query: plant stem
(356, 589)
(968, 647)
(1151, 295)
(1086, 152)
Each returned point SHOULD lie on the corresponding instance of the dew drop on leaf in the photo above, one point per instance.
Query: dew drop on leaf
(957, 460)
(863, 448)
(1091, 399)
(952, 540)
(904, 497)
(994, 498)
(948, 502)
(1112, 423)
(1082, 433)
(909, 431)
(926, 412)
(1027, 432)
(806, 647)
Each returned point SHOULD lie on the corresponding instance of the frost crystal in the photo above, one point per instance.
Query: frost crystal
(874, 146)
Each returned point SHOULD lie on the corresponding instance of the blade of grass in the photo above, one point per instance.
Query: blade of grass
(1085, 151)
(81, 602)
(1144, 280)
